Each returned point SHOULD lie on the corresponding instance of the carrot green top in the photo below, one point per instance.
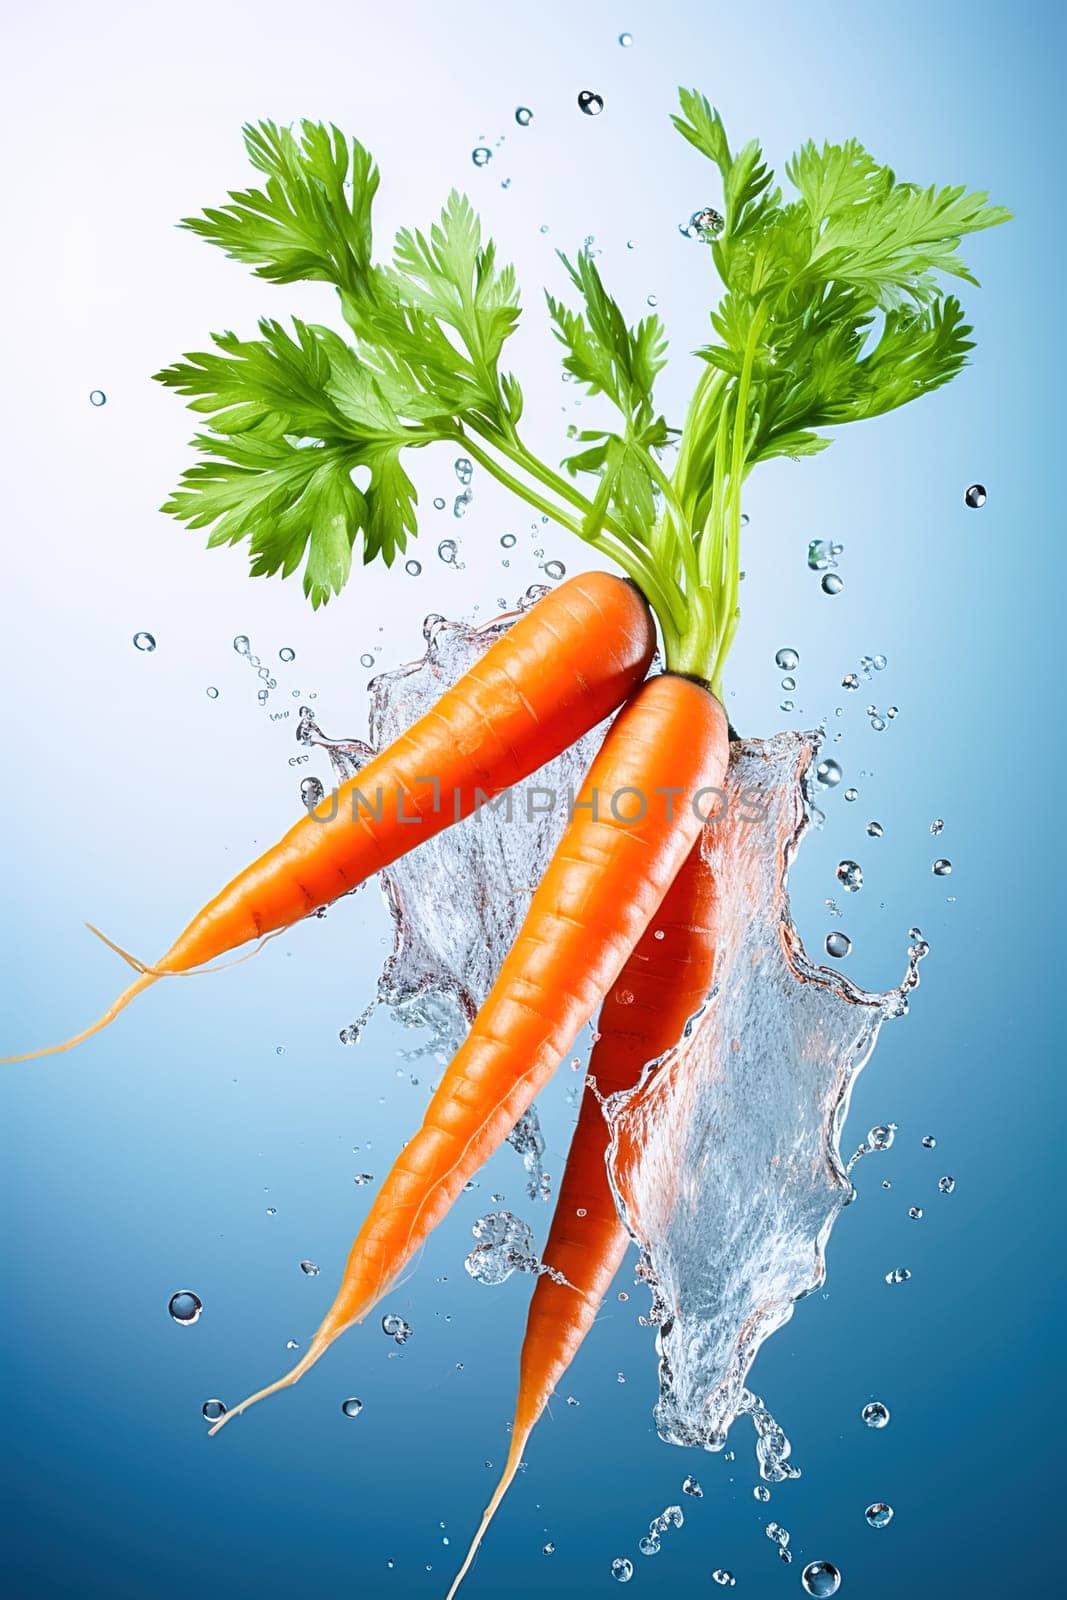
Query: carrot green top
(832, 311)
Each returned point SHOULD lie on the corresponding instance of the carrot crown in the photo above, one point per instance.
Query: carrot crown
(832, 310)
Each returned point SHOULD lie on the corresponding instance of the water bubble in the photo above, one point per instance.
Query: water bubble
(820, 1578)
(828, 773)
(622, 1570)
(212, 1410)
(507, 540)
(850, 681)
(942, 867)
(143, 641)
(849, 875)
(97, 397)
(351, 1407)
(461, 502)
(879, 1515)
(929, 1142)
(185, 1307)
(242, 644)
(310, 1269)
(448, 549)
(881, 1137)
(649, 1545)
(212, 692)
(875, 830)
(898, 1275)
(286, 654)
(838, 945)
(523, 116)
(554, 569)
(481, 156)
(366, 660)
(691, 1486)
(832, 583)
(778, 1534)
(311, 792)
(761, 1493)
(463, 469)
(723, 1578)
(946, 1185)
(915, 1213)
(396, 1328)
(412, 568)
(592, 104)
(361, 1179)
(789, 683)
(975, 496)
(875, 1414)
(626, 40)
(705, 225)
(788, 660)
(822, 553)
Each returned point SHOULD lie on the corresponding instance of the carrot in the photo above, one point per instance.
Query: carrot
(560, 669)
(663, 984)
(603, 885)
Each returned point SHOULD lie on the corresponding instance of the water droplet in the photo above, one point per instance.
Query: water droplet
(875, 1414)
(554, 569)
(412, 568)
(820, 1578)
(461, 502)
(705, 225)
(396, 1328)
(212, 692)
(97, 397)
(310, 1269)
(291, 1344)
(946, 1184)
(761, 1493)
(875, 830)
(242, 644)
(881, 1137)
(185, 1307)
(915, 1213)
(144, 641)
(649, 1545)
(691, 1486)
(351, 1407)
(879, 1515)
(448, 549)
(548, 1549)
(626, 40)
(849, 875)
(850, 681)
(723, 1578)
(974, 496)
(481, 156)
(832, 583)
(286, 654)
(788, 660)
(929, 1142)
(898, 1275)
(592, 104)
(622, 1570)
(822, 554)
(212, 1410)
(507, 540)
(828, 773)
(838, 945)
(311, 792)
(272, 1211)
(464, 470)
(523, 116)
(942, 867)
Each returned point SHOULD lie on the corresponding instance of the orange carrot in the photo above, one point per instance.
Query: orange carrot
(663, 984)
(635, 821)
(560, 669)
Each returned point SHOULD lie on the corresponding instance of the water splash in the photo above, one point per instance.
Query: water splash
(725, 1158)
(457, 902)
(505, 1245)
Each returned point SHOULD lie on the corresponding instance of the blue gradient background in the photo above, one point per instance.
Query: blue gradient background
(146, 1161)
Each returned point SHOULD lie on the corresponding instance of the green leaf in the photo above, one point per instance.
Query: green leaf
(313, 217)
(602, 352)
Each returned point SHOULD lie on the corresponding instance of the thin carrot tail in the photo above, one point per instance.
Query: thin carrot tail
(519, 1442)
(144, 981)
(318, 1346)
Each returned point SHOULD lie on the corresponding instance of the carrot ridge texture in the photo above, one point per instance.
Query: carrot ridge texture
(562, 667)
(664, 983)
(603, 885)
